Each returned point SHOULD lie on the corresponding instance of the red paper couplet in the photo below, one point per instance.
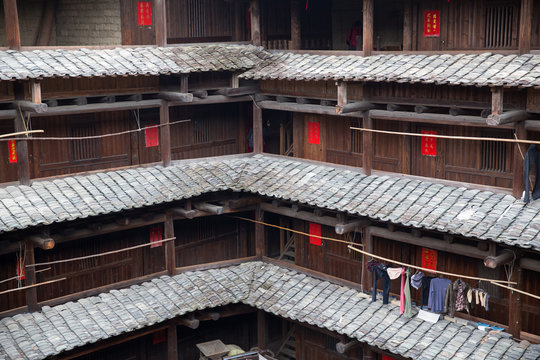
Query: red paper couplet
(432, 22)
(429, 144)
(144, 13)
(315, 229)
(152, 136)
(314, 132)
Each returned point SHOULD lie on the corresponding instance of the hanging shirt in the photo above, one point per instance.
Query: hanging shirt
(437, 293)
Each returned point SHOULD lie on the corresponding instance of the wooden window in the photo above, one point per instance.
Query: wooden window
(201, 131)
(84, 149)
(499, 24)
(356, 137)
(197, 18)
(487, 273)
(495, 156)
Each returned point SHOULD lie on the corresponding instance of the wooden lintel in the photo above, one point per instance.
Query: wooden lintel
(448, 238)
(30, 106)
(343, 347)
(175, 96)
(201, 94)
(243, 202)
(302, 215)
(507, 117)
(430, 242)
(210, 208)
(238, 91)
(341, 95)
(326, 109)
(354, 107)
(187, 322)
(188, 214)
(345, 228)
(503, 258)
(100, 107)
(497, 100)
(44, 242)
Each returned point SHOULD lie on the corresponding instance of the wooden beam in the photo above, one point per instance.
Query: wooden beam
(11, 18)
(107, 99)
(341, 96)
(456, 111)
(243, 202)
(518, 183)
(175, 96)
(235, 80)
(213, 315)
(284, 99)
(296, 35)
(395, 107)
(160, 22)
(238, 91)
(215, 265)
(170, 248)
(426, 241)
(255, 22)
(184, 83)
(368, 28)
(496, 101)
(343, 347)
(30, 277)
(45, 243)
(201, 94)
(494, 262)
(530, 264)
(165, 134)
(191, 323)
(525, 26)
(304, 108)
(172, 342)
(367, 144)
(354, 107)
(29, 106)
(210, 208)
(507, 117)
(101, 107)
(79, 101)
(532, 125)
(46, 24)
(367, 281)
(421, 109)
(188, 214)
(302, 215)
(261, 330)
(345, 228)
(260, 245)
(515, 304)
(258, 145)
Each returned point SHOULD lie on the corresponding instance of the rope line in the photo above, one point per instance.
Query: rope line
(31, 286)
(17, 277)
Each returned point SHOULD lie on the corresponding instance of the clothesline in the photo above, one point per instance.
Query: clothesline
(455, 137)
(102, 254)
(31, 286)
(296, 231)
(18, 277)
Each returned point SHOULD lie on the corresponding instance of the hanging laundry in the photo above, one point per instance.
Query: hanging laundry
(416, 280)
(437, 293)
(407, 293)
(371, 265)
(456, 297)
(402, 292)
(426, 284)
(394, 273)
(379, 272)
(532, 157)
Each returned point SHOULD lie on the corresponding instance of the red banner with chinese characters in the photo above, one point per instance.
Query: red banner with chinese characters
(152, 136)
(315, 229)
(429, 259)
(144, 13)
(156, 235)
(314, 132)
(432, 22)
(429, 144)
(12, 151)
(20, 270)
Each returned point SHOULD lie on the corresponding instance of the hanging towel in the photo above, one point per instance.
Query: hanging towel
(408, 305)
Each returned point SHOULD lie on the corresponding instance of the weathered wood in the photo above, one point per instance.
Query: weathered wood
(238, 91)
(518, 183)
(11, 18)
(421, 109)
(243, 202)
(407, 25)
(485, 113)
(343, 347)
(51, 103)
(30, 106)
(525, 26)
(23, 161)
(532, 125)
(367, 144)
(345, 228)
(515, 304)
(367, 279)
(503, 258)
(303, 108)
(496, 100)
(172, 340)
(170, 254)
(261, 330)
(302, 215)
(530, 264)
(258, 145)
(30, 276)
(354, 107)
(108, 99)
(191, 323)
(184, 83)
(507, 117)
(201, 94)
(426, 241)
(210, 208)
(456, 111)
(92, 108)
(160, 22)
(304, 101)
(213, 315)
(284, 99)
(367, 47)
(175, 96)
(79, 101)
(44, 242)
(35, 90)
(296, 37)
(165, 134)
(341, 96)
(255, 22)
(188, 214)
(46, 24)
(215, 265)
(259, 233)
(395, 107)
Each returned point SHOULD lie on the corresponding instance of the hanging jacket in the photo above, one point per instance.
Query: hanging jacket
(532, 157)
(456, 297)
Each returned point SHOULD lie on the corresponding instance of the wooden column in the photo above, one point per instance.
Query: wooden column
(255, 22)
(298, 135)
(43, 36)
(407, 25)
(160, 22)
(259, 233)
(525, 26)
(515, 305)
(368, 28)
(368, 246)
(184, 83)
(170, 253)
(261, 330)
(367, 146)
(172, 343)
(296, 35)
(12, 24)
(341, 93)
(257, 129)
(165, 133)
(518, 182)
(23, 159)
(497, 100)
(30, 277)
(239, 10)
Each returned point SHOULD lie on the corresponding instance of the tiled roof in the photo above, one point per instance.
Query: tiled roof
(473, 69)
(39, 64)
(422, 204)
(274, 289)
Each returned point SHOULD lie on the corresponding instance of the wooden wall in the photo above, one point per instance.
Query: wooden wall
(312, 344)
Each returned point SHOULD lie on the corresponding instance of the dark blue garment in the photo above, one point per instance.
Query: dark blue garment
(532, 157)
(437, 293)
(380, 272)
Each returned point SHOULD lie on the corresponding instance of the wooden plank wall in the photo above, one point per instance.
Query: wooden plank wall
(315, 345)
(535, 33)
(132, 32)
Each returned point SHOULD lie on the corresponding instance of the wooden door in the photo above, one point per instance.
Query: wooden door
(314, 137)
